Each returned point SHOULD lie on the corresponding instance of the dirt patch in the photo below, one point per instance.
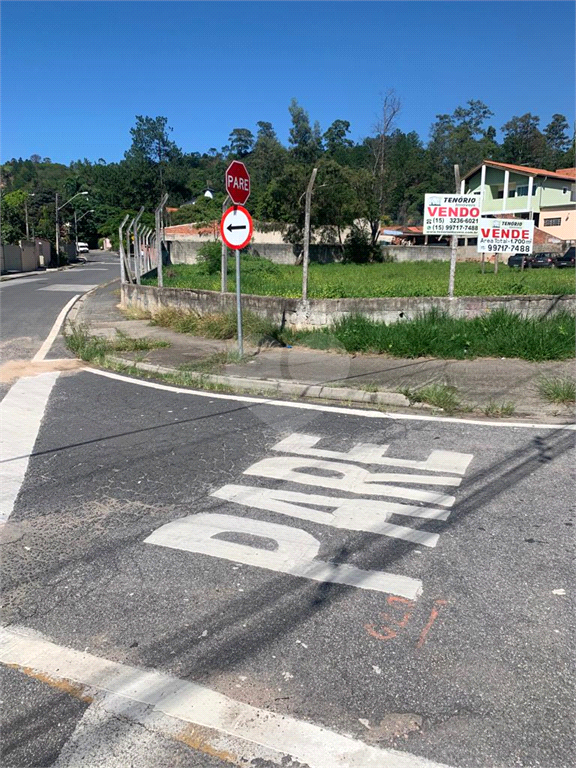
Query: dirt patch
(16, 369)
(395, 726)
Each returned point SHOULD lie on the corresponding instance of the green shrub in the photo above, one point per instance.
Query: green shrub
(359, 249)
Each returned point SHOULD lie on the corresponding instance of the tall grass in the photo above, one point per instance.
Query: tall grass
(435, 334)
(214, 326)
(261, 277)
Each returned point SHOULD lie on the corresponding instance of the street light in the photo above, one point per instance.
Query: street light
(30, 194)
(76, 220)
(58, 209)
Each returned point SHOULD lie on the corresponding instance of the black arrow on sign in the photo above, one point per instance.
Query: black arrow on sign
(230, 227)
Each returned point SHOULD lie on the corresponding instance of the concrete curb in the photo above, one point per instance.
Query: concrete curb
(279, 387)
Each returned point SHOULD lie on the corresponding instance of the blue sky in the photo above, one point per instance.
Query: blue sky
(75, 74)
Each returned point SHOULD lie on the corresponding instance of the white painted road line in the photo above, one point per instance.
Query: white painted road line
(45, 348)
(189, 703)
(328, 408)
(77, 288)
(21, 413)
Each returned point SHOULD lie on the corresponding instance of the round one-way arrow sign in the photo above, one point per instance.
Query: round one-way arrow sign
(236, 227)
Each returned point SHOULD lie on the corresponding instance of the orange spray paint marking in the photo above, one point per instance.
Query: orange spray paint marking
(433, 616)
(387, 633)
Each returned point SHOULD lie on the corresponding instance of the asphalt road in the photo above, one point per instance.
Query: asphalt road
(204, 580)
(30, 305)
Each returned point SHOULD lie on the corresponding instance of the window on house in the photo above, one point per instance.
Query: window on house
(523, 190)
(511, 193)
(552, 222)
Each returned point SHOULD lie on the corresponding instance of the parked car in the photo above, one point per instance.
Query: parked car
(83, 248)
(566, 259)
(544, 260)
(516, 260)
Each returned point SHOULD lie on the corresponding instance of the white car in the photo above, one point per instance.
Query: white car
(83, 248)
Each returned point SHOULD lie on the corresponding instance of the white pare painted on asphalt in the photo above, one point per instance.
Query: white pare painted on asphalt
(372, 453)
(352, 479)
(45, 348)
(350, 514)
(295, 554)
(21, 413)
(187, 702)
(367, 414)
(77, 288)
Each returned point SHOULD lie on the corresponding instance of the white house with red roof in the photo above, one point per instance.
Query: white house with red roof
(548, 197)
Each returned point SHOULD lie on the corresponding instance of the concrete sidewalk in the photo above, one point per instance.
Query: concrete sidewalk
(483, 385)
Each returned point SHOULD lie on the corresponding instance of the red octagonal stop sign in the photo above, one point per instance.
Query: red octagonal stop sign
(238, 182)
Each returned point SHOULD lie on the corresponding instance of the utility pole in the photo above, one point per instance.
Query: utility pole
(30, 194)
(57, 234)
(453, 242)
(307, 234)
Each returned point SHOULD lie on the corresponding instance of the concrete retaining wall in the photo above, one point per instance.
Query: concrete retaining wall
(317, 313)
(184, 250)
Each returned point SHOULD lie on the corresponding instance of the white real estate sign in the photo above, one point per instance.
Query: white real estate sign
(451, 214)
(505, 236)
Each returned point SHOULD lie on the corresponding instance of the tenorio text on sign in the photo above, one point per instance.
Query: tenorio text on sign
(451, 214)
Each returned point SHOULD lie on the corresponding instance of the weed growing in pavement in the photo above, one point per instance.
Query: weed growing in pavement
(557, 389)
(215, 362)
(95, 348)
(499, 409)
(135, 313)
(438, 395)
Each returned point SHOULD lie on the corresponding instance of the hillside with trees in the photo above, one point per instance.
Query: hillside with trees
(380, 179)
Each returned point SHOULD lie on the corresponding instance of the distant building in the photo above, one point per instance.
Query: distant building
(548, 197)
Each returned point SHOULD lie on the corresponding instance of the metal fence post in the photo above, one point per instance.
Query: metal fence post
(123, 276)
(137, 246)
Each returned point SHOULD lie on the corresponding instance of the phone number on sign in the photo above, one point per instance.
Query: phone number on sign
(505, 248)
(469, 226)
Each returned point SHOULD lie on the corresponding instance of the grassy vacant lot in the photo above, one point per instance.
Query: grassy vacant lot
(332, 281)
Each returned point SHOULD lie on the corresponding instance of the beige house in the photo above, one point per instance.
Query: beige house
(548, 197)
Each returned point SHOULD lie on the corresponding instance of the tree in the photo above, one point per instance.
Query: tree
(460, 139)
(557, 141)
(265, 131)
(380, 181)
(305, 141)
(335, 136)
(13, 222)
(152, 148)
(241, 141)
(523, 142)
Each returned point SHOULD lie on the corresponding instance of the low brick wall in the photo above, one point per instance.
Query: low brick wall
(317, 313)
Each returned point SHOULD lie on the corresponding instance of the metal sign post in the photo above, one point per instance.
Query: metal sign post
(455, 215)
(236, 231)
